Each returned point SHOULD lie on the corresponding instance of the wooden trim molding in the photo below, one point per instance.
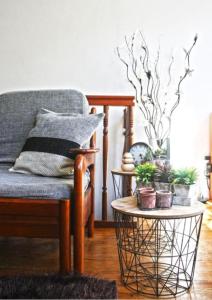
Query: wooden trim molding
(104, 224)
(101, 100)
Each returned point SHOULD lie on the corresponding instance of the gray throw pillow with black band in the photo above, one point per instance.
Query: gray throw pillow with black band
(47, 148)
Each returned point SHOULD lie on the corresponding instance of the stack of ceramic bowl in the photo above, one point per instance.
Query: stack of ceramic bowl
(127, 162)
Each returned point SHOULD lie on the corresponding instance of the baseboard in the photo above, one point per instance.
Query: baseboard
(104, 224)
(110, 224)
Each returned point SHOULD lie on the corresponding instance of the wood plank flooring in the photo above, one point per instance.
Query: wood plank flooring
(35, 256)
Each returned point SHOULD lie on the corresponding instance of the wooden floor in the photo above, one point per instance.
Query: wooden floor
(20, 255)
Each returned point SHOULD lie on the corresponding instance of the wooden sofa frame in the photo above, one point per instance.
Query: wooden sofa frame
(61, 218)
(57, 218)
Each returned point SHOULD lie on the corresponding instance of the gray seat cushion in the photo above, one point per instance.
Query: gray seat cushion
(16, 185)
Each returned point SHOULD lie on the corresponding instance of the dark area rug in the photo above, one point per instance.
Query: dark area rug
(56, 287)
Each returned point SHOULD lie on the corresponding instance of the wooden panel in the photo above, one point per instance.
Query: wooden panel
(110, 100)
(8, 219)
(30, 230)
(27, 207)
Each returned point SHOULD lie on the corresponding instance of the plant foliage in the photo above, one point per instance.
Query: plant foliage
(185, 176)
(145, 172)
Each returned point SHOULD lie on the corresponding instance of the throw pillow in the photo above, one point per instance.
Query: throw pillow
(46, 151)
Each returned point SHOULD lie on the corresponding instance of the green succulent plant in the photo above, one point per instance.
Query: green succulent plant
(145, 172)
(185, 176)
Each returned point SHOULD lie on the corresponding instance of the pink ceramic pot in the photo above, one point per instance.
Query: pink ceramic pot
(147, 200)
(141, 191)
(146, 190)
(163, 199)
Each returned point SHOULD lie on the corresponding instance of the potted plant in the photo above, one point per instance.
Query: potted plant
(162, 176)
(183, 181)
(146, 195)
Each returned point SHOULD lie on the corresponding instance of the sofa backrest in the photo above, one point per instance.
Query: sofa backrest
(19, 109)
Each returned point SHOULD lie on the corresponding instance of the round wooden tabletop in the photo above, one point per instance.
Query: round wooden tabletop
(128, 205)
(123, 173)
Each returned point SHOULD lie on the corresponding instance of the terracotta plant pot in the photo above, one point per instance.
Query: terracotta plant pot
(142, 190)
(147, 200)
(146, 190)
(163, 199)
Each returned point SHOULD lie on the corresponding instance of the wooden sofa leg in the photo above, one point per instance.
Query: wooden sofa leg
(79, 244)
(64, 237)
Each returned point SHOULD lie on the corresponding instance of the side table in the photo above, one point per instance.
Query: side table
(158, 248)
(121, 179)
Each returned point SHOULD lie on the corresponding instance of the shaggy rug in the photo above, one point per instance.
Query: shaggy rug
(56, 287)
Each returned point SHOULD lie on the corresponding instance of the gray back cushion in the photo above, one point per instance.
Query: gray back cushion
(19, 109)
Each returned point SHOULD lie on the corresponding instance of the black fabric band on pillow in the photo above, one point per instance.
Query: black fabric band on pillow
(50, 145)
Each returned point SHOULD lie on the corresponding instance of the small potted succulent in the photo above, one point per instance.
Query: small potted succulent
(162, 176)
(183, 181)
(145, 194)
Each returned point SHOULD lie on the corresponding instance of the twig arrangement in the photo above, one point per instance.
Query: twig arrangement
(156, 105)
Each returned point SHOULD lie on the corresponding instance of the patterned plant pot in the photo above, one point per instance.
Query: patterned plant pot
(163, 199)
(183, 194)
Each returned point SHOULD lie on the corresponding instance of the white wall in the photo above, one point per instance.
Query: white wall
(70, 43)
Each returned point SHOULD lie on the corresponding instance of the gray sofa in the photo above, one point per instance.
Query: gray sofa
(23, 196)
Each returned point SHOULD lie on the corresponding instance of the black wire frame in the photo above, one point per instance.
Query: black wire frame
(157, 256)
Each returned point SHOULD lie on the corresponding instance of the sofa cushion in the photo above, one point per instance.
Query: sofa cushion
(47, 148)
(14, 185)
(19, 109)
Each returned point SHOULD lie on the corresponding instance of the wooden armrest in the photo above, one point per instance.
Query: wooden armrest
(83, 151)
(83, 158)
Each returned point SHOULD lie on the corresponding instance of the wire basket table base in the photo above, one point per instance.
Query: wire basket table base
(157, 255)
